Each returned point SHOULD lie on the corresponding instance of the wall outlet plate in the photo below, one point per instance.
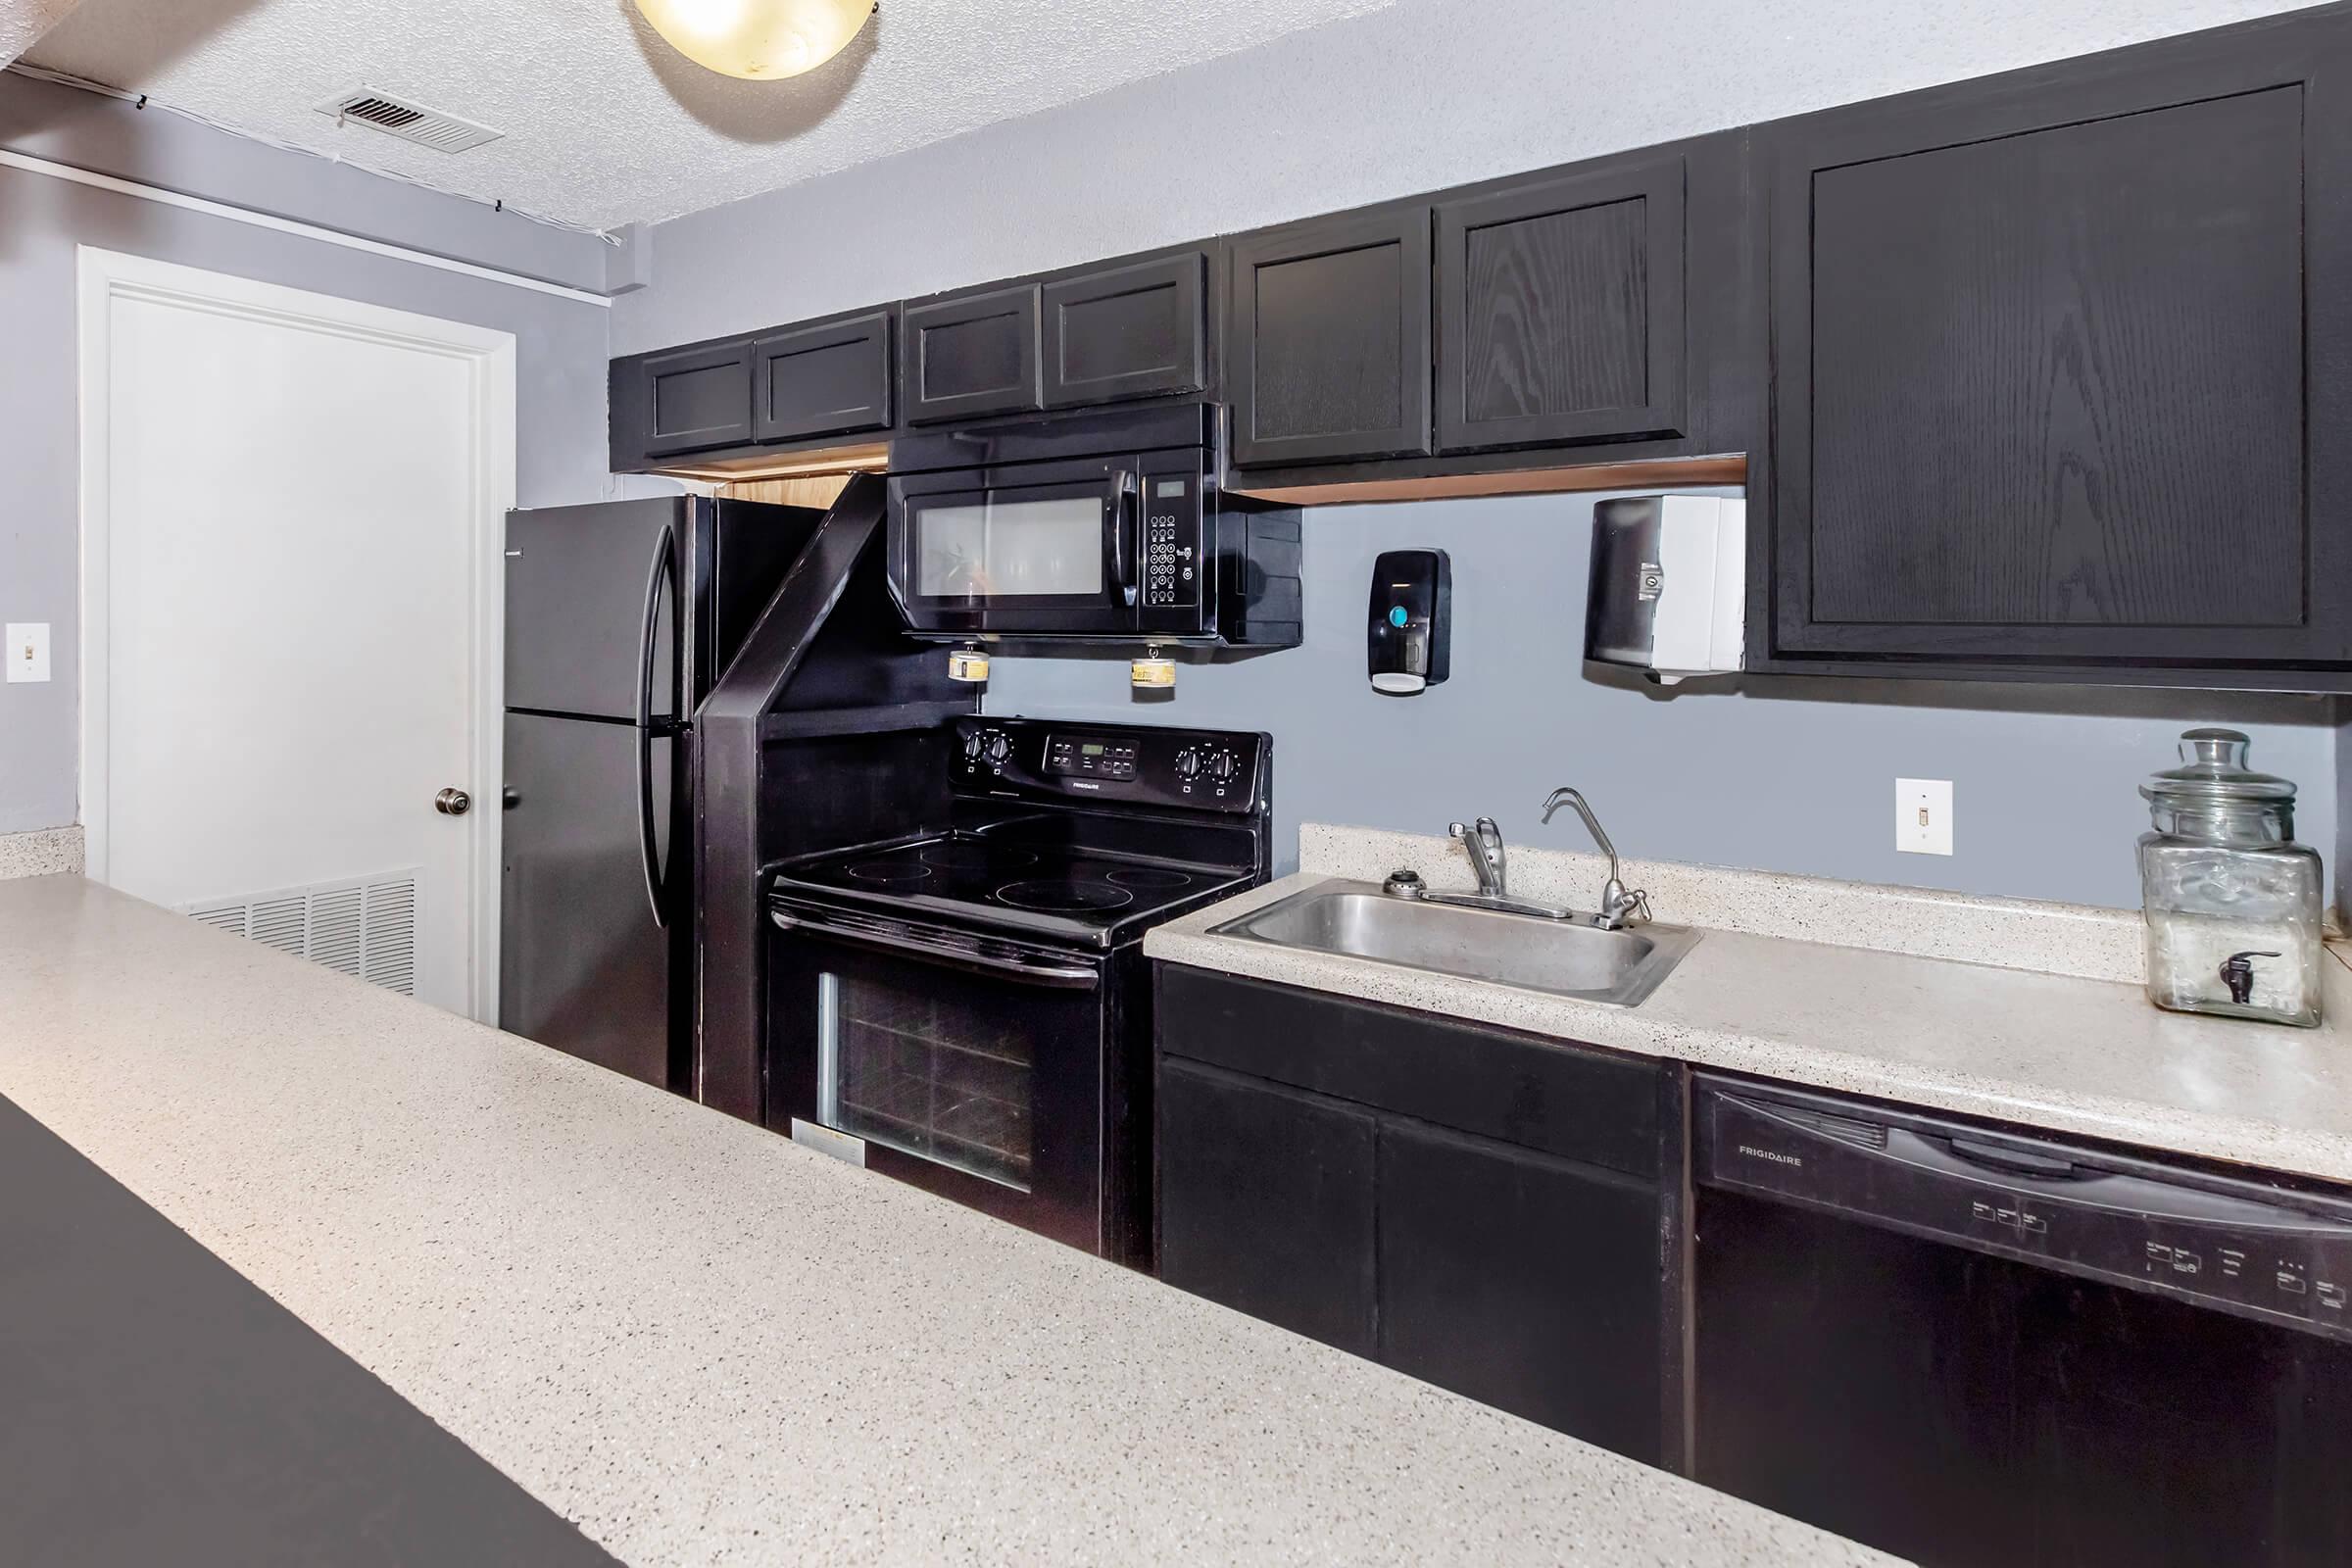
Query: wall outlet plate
(1922, 816)
(28, 650)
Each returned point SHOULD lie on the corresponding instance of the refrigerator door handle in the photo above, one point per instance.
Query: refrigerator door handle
(664, 571)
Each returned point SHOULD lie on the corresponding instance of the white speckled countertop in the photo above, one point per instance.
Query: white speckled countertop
(706, 1345)
(2053, 1051)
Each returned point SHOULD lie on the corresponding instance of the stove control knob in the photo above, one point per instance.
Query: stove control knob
(971, 746)
(1187, 763)
(998, 748)
(1224, 768)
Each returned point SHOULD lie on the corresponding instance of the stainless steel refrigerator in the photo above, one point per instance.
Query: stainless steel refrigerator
(620, 617)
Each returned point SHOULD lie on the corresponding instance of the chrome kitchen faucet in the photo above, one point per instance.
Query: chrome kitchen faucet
(1617, 906)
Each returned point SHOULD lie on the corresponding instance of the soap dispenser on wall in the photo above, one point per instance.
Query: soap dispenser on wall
(1405, 639)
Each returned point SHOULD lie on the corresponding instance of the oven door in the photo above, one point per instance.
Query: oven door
(1047, 548)
(962, 1064)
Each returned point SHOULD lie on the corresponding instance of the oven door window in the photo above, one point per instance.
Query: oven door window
(941, 1070)
(977, 1074)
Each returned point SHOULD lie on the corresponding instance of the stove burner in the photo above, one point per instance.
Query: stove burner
(889, 871)
(961, 855)
(1063, 896)
(1143, 876)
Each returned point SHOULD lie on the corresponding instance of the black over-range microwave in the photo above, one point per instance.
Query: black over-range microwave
(1106, 526)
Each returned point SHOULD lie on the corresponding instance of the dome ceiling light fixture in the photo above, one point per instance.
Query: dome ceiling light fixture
(757, 40)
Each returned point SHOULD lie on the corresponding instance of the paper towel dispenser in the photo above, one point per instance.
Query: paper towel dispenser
(1669, 589)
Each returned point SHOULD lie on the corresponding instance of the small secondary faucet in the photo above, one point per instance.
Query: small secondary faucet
(1617, 906)
(1484, 840)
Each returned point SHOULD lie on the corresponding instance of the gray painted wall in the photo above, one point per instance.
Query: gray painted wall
(1426, 94)
(562, 346)
(1781, 774)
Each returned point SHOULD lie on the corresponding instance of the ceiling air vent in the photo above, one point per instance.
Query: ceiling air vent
(409, 121)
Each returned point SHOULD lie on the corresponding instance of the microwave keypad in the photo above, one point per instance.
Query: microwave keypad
(1171, 543)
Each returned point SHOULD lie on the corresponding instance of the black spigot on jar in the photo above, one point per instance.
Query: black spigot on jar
(2237, 973)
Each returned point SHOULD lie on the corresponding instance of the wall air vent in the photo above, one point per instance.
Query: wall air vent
(365, 927)
(409, 121)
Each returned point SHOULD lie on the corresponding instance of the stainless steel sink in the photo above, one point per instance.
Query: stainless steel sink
(1567, 958)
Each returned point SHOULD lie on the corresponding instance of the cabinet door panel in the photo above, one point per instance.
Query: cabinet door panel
(970, 357)
(1562, 310)
(695, 399)
(1585, 1105)
(1129, 333)
(1526, 1283)
(1265, 1204)
(823, 380)
(2051, 359)
(1329, 348)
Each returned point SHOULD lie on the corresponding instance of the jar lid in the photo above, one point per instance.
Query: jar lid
(2213, 772)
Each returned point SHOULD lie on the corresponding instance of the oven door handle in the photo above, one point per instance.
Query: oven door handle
(1067, 976)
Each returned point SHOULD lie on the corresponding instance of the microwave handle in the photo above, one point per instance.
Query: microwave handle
(1123, 543)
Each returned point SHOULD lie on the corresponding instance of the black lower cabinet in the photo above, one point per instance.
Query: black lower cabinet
(1489, 1212)
(1277, 1216)
(1522, 1281)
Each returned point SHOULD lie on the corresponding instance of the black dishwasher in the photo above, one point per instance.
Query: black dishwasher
(1969, 1346)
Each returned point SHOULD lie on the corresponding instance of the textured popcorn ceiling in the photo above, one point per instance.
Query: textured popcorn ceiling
(24, 20)
(603, 121)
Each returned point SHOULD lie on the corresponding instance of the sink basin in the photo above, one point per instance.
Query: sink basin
(1358, 920)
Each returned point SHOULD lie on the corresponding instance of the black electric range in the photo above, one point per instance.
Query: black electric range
(967, 1007)
(1051, 891)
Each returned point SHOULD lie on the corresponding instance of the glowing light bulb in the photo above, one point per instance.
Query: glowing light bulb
(757, 40)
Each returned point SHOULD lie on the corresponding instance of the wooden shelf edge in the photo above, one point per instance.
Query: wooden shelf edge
(1654, 474)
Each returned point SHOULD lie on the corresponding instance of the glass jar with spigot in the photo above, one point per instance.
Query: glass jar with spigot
(2232, 901)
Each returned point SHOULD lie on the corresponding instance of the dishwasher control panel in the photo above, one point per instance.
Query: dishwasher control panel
(2244, 1245)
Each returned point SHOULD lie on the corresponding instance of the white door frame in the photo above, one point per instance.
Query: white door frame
(105, 277)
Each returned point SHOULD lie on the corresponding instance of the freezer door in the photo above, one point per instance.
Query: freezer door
(587, 951)
(593, 608)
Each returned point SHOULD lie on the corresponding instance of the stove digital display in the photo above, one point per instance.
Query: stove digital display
(1077, 755)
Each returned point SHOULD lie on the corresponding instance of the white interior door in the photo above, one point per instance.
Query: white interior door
(290, 547)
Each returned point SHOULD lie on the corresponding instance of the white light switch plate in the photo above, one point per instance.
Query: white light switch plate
(28, 650)
(1922, 816)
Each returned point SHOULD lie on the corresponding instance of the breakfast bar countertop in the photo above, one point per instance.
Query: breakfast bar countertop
(704, 1343)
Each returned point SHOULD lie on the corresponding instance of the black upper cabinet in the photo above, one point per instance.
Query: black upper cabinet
(691, 399)
(1127, 332)
(968, 357)
(2061, 359)
(1327, 347)
(1560, 309)
(832, 378)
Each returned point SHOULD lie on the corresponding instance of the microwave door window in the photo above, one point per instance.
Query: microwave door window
(1044, 549)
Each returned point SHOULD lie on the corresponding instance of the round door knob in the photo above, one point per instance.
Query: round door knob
(453, 803)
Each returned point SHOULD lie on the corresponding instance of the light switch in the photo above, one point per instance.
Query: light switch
(1922, 816)
(28, 650)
